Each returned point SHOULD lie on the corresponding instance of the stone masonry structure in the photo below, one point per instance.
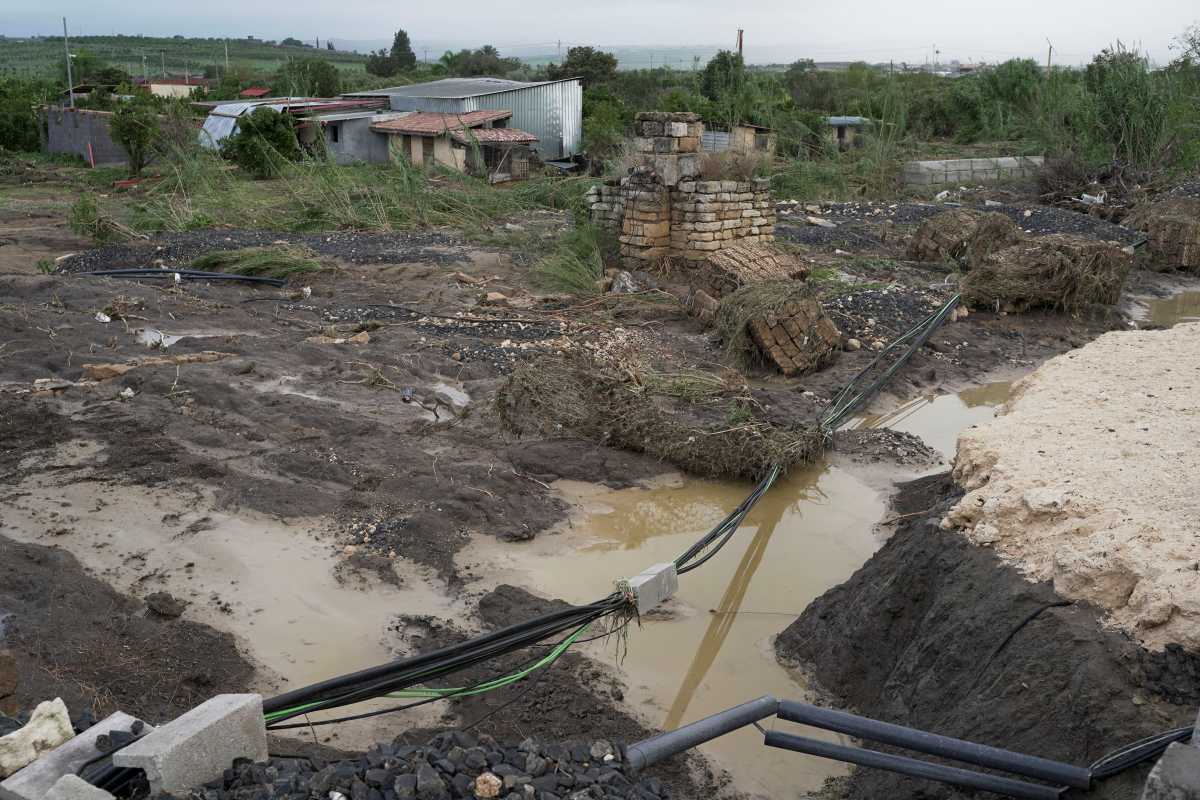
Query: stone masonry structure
(663, 208)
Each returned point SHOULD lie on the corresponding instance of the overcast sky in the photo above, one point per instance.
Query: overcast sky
(835, 30)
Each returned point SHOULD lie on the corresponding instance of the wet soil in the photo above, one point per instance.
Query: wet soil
(367, 465)
(76, 638)
(1012, 664)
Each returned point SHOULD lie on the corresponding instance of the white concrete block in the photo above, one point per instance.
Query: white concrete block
(198, 746)
(33, 782)
(73, 787)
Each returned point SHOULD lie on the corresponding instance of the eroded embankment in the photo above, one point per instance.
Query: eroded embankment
(1085, 481)
(939, 634)
(1062, 621)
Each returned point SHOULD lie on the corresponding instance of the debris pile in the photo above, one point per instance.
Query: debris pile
(701, 425)
(781, 322)
(1058, 271)
(453, 765)
(962, 235)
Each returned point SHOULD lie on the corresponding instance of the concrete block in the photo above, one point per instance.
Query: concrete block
(1176, 776)
(33, 782)
(654, 585)
(198, 746)
(73, 787)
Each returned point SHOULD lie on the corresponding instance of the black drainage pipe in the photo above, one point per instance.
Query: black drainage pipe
(936, 744)
(656, 748)
(913, 767)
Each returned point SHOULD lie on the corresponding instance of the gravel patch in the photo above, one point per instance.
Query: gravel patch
(177, 249)
(453, 765)
(852, 218)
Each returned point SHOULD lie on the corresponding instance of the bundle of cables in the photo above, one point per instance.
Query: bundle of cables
(410, 678)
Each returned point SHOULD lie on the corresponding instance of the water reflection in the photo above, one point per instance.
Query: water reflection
(1182, 307)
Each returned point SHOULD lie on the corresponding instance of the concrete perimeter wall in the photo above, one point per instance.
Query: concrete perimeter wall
(970, 170)
(71, 130)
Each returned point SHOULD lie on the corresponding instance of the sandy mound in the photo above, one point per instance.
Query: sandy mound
(1088, 479)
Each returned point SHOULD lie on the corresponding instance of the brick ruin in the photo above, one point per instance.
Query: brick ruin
(662, 208)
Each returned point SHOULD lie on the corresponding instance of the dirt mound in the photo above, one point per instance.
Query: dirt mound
(734, 267)
(701, 424)
(939, 634)
(780, 322)
(74, 637)
(962, 235)
(1058, 271)
(1080, 480)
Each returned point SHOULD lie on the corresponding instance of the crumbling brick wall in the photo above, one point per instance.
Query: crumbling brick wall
(661, 209)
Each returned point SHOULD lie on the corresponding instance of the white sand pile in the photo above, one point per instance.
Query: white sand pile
(1090, 476)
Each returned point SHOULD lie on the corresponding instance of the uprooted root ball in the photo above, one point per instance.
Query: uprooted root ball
(1058, 271)
(705, 428)
(962, 235)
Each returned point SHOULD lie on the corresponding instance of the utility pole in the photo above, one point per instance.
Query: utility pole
(144, 76)
(739, 41)
(560, 51)
(163, 53)
(226, 56)
(70, 80)
(1049, 52)
(426, 59)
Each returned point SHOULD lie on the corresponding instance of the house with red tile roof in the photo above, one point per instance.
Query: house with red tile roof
(476, 142)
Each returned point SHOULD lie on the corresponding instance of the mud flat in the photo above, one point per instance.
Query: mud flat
(1041, 598)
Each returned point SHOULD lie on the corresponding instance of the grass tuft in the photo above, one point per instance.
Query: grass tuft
(279, 261)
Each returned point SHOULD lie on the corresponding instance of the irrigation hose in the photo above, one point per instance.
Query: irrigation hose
(185, 274)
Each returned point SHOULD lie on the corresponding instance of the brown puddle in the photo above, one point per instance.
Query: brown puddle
(712, 648)
(1167, 311)
(939, 418)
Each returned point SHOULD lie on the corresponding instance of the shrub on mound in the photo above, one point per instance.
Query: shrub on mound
(699, 423)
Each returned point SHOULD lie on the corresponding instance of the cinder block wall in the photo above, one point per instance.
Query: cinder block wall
(970, 170)
(70, 130)
(660, 209)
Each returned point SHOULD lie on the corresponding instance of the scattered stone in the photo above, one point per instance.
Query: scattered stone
(623, 283)
(165, 605)
(495, 298)
(487, 786)
(820, 222)
(103, 372)
(48, 727)
(852, 345)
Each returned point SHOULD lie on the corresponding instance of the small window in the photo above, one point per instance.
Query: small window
(762, 141)
(333, 133)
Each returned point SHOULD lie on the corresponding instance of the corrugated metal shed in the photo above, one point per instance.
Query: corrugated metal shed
(551, 110)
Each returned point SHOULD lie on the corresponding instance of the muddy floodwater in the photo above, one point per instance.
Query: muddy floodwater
(711, 647)
(1182, 307)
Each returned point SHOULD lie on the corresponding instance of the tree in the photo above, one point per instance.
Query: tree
(134, 126)
(725, 73)
(402, 53)
(484, 61)
(328, 45)
(309, 77)
(590, 65)
(263, 144)
(292, 42)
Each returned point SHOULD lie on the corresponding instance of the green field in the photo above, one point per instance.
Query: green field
(43, 56)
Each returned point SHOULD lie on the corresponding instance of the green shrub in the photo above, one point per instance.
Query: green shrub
(135, 127)
(264, 143)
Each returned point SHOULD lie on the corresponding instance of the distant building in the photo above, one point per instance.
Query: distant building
(846, 128)
(743, 138)
(550, 111)
(252, 92)
(172, 87)
(476, 142)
